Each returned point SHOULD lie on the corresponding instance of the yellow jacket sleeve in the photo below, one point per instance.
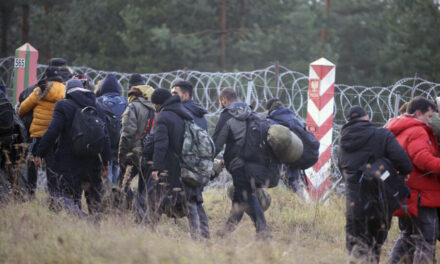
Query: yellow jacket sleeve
(28, 104)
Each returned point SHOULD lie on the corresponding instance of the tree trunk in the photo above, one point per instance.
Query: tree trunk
(242, 17)
(223, 35)
(25, 24)
(5, 29)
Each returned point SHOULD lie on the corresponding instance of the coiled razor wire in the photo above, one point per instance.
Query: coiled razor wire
(257, 87)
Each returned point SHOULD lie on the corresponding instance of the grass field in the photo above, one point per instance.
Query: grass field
(303, 233)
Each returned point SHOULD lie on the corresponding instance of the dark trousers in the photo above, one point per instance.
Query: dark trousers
(91, 183)
(364, 235)
(245, 200)
(417, 239)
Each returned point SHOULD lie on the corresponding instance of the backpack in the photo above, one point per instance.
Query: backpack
(148, 127)
(88, 133)
(261, 166)
(115, 104)
(114, 126)
(6, 116)
(382, 189)
(311, 148)
(146, 136)
(197, 157)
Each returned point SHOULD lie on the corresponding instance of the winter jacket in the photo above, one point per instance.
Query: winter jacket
(420, 142)
(197, 112)
(360, 143)
(107, 92)
(134, 122)
(66, 163)
(109, 86)
(27, 118)
(43, 103)
(284, 116)
(231, 130)
(168, 133)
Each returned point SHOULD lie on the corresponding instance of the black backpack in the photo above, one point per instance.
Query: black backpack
(6, 116)
(114, 125)
(382, 189)
(261, 166)
(311, 148)
(88, 133)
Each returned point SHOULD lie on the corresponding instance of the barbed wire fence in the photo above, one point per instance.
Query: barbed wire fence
(258, 86)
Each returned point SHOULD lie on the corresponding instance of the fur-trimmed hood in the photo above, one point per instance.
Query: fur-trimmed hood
(53, 92)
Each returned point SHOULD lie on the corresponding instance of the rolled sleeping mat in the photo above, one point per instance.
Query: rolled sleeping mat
(435, 123)
(286, 146)
(263, 196)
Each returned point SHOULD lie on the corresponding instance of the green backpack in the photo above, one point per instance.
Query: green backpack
(197, 157)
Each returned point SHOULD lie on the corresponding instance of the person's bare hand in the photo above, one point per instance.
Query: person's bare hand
(37, 161)
(155, 175)
(104, 171)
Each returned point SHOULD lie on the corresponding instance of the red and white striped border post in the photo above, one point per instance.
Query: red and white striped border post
(320, 122)
(25, 69)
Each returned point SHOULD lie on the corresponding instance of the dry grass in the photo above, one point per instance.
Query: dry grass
(303, 233)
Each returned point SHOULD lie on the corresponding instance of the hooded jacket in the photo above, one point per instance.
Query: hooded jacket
(284, 116)
(70, 167)
(42, 103)
(197, 112)
(420, 142)
(361, 142)
(134, 123)
(109, 86)
(231, 130)
(168, 135)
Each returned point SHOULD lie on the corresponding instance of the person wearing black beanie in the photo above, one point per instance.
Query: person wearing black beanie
(160, 95)
(136, 80)
(168, 136)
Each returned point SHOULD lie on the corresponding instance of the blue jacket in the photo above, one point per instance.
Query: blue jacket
(284, 116)
(197, 112)
(66, 164)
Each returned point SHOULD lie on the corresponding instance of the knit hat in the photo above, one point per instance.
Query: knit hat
(58, 62)
(355, 112)
(52, 73)
(160, 95)
(135, 80)
(74, 83)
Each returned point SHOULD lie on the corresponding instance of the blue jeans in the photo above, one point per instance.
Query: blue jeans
(113, 173)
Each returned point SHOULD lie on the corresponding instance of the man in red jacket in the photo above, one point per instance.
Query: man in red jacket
(418, 222)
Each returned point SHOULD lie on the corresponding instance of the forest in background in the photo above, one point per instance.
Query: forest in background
(374, 42)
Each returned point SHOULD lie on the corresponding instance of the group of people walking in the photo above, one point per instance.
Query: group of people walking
(407, 148)
(143, 135)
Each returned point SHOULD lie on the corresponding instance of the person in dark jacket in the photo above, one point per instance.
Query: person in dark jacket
(231, 130)
(184, 90)
(109, 97)
(360, 141)
(278, 114)
(166, 192)
(73, 173)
